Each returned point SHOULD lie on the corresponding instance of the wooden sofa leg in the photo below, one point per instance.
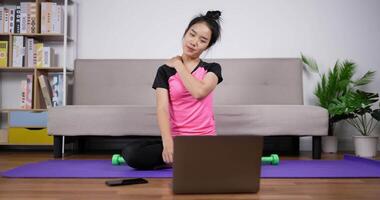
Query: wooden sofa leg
(57, 148)
(317, 147)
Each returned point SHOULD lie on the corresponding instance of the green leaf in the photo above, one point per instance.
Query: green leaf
(311, 63)
(346, 71)
(367, 78)
(353, 103)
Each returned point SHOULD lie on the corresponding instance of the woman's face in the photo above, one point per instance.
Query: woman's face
(196, 40)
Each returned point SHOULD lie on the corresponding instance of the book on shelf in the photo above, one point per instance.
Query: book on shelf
(6, 20)
(56, 82)
(28, 17)
(18, 51)
(27, 52)
(12, 20)
(3, 53)
(23, 19)
(20, 18)
(27, 92)
(51, 89)
(46, 90)
(1, 19)
(30, 52)
(23, 93)
(39, 54)
(52, 17)
(48, 57)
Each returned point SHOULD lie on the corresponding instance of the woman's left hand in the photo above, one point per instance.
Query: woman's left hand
(175, 62)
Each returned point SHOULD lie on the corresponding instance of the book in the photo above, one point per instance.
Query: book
(30, 52)
(18, 20)
(48, 57)
(12, 16)
(46, 17)
(39, 48)
(23, 17)
(28, 17)
(3, 53)
(56, 82)
(58, 19)
(32, 13)
(23, 94)
(29, 91)
(52, 17)
(18, 51)
(6, 20)
(1, 19)
(46, 90)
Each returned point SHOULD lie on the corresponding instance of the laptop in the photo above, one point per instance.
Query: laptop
(217, 164)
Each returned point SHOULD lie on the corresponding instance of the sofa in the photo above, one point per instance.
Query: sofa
(261, 96)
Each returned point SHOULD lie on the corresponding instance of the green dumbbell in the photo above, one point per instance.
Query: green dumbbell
(273, 159)
(117, 159)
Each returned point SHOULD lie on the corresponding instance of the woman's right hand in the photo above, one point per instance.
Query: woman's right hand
(167, 153)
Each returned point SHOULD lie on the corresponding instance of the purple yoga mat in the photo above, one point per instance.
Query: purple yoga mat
(349, 167)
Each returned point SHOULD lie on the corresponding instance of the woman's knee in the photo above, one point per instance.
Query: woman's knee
(130, 156)
(133, 160)
(139, 162)
(143, 156)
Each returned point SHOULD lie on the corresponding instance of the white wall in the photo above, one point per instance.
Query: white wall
(324, 29)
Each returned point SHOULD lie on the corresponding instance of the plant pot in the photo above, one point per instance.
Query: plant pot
(329, 144)
(366, 146)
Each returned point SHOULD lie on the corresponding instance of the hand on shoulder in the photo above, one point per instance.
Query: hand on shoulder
(175, 62)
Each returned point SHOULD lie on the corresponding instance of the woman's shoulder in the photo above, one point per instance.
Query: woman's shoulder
(165, 69)
(215, 68)
(211, 65)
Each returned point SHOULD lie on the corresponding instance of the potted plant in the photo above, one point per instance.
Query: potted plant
(332, 85)
(356, 108)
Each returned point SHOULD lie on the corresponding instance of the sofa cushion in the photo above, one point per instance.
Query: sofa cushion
(100, 120)
(119, 120)
(269, 120)
(258, 81)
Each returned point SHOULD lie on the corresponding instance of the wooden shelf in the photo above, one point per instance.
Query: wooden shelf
(16, 69)
(30, 69)
(51, 69)
(30, 127)
(7, 144)
(21, 109)
(40, 36)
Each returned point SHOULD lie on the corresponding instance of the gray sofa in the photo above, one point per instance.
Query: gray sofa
(257, 96)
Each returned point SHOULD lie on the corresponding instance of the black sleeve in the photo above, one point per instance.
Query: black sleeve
(217, 70)
(161, 80)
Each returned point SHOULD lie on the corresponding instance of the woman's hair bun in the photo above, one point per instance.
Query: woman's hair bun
(213, 14)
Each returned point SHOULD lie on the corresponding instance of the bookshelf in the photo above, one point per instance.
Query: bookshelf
(47, 48)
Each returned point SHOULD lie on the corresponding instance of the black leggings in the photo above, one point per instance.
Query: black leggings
(144, 153)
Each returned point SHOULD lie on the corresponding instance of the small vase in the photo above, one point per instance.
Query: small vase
(365, 146)
(329, 144)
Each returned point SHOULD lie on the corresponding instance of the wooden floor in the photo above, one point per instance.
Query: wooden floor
(89, 189)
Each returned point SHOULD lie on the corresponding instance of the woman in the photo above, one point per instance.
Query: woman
(184, 88)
